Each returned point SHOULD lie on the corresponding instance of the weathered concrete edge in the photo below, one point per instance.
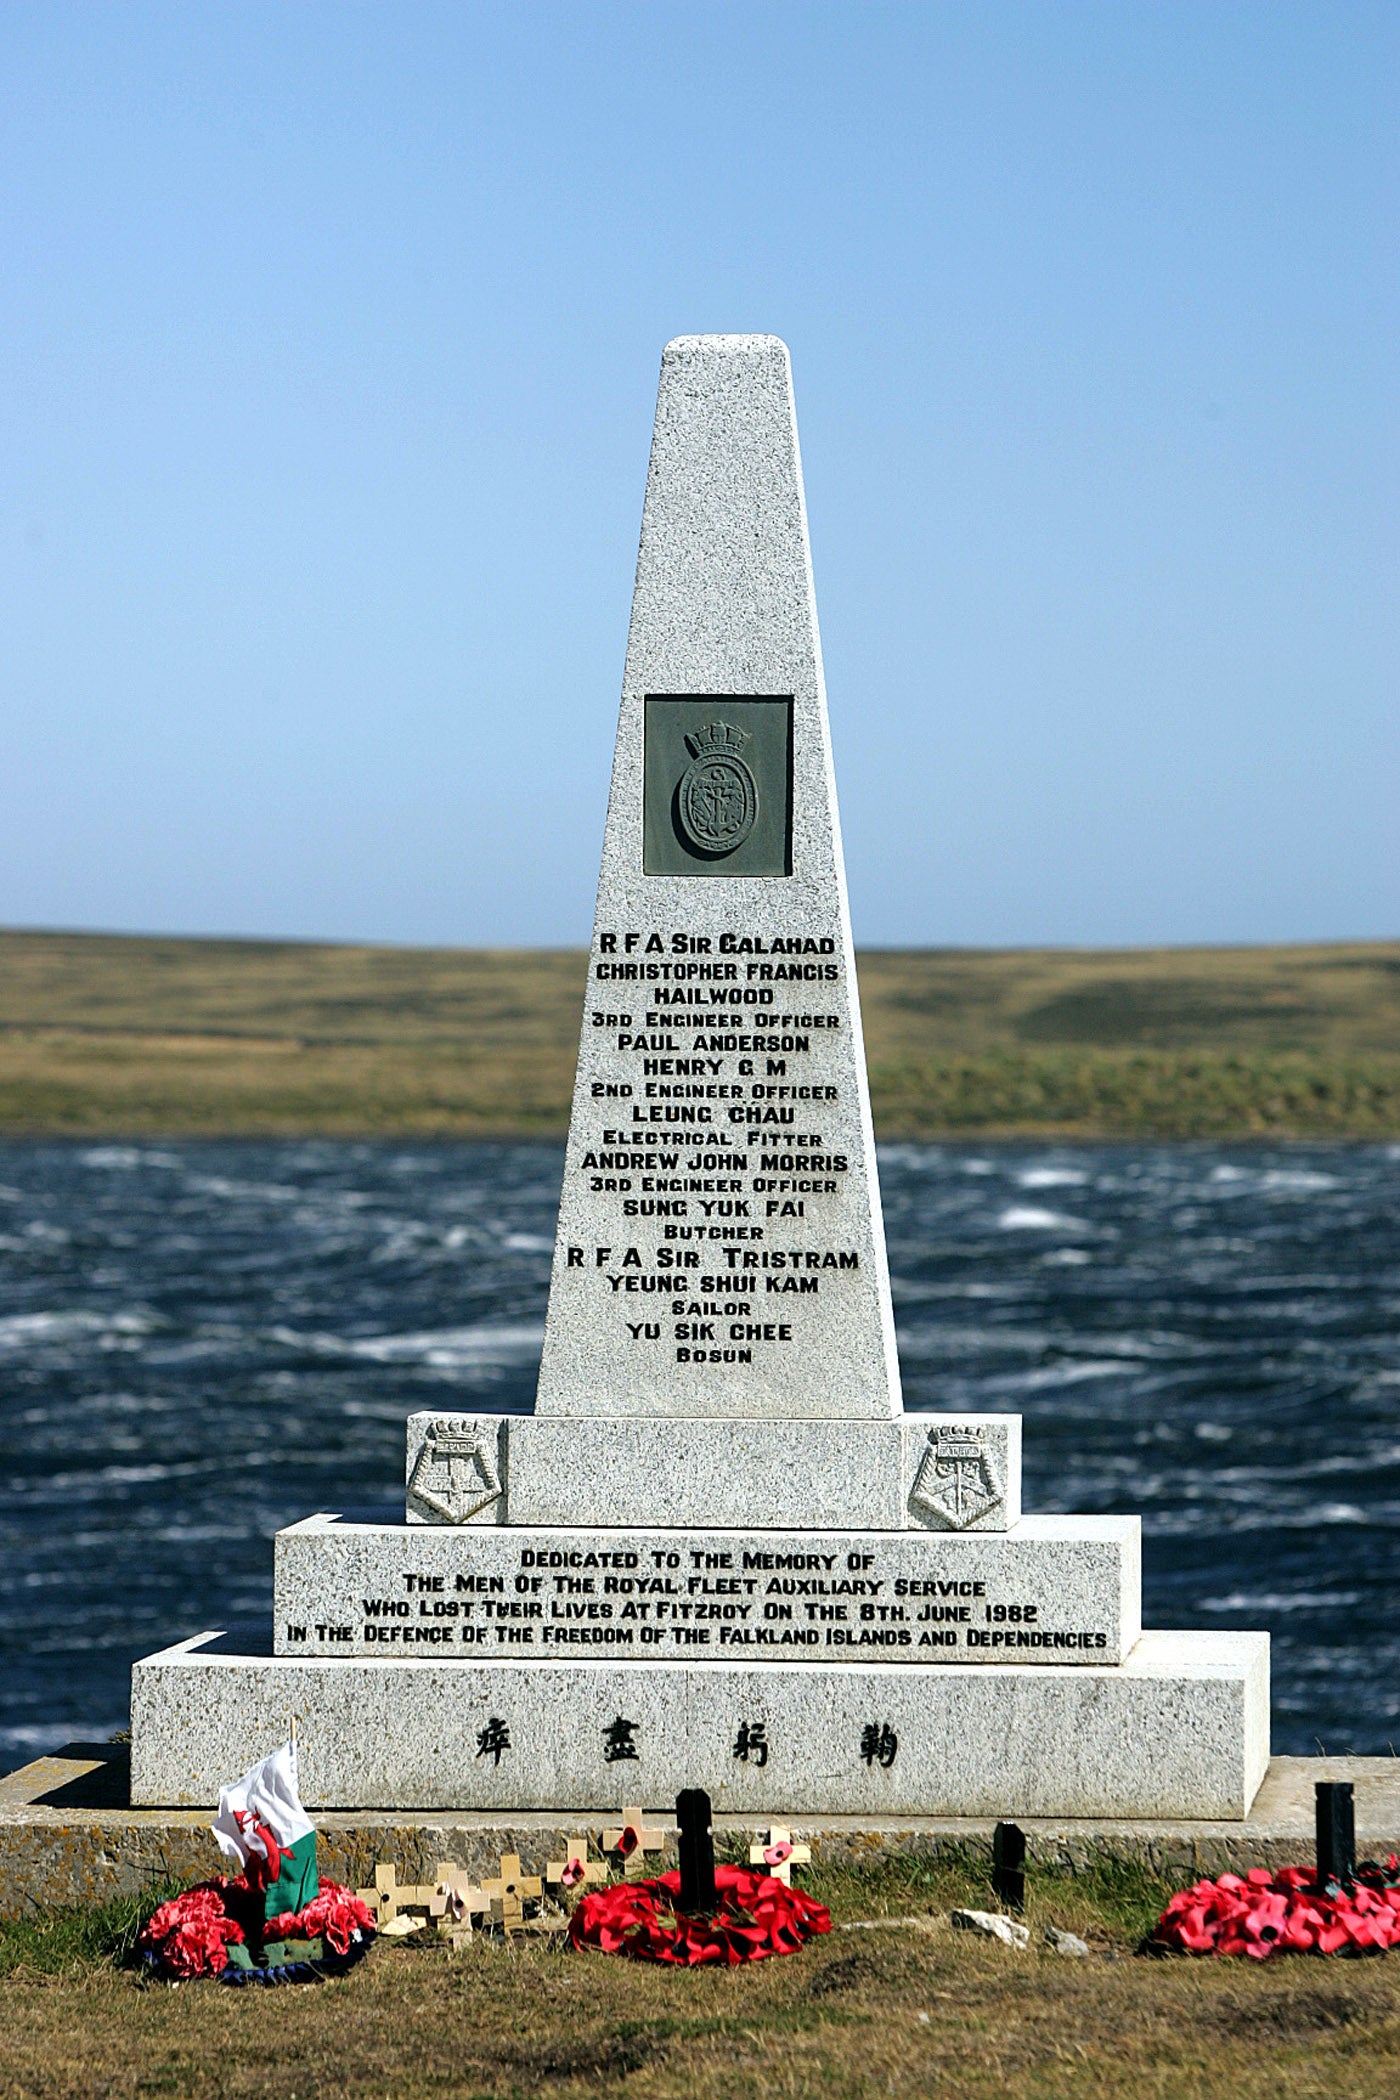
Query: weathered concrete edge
(88, 1848)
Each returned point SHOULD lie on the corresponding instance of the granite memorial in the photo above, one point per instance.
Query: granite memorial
(719, 1554)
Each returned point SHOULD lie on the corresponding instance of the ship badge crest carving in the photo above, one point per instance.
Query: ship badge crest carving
(957, 1480)
(717, 798)
(455, 1474)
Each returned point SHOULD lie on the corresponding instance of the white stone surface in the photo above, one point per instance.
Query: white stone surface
(1067, 1943)
(919, 1472)
(1180, 1729)
(723, 609)
(1057, 1590)
(993, 1925)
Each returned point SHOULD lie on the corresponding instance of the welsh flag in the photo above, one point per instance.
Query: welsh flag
(262, 1826)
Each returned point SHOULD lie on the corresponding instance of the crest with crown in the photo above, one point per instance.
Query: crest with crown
(957, 1481)
(456, 1474)
(717, 799)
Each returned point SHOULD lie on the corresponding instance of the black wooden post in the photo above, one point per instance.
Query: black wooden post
(1009, 1865)
(1336, 1830)
(697, 1849)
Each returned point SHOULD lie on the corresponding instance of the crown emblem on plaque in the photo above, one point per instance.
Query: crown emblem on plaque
(957, 1481)
(455, 1474)
(716, 737)
(717, 796)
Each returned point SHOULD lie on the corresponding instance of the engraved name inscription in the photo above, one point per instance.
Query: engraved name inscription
(710, 1154)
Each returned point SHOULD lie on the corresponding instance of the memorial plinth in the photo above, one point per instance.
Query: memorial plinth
(719, 1553)
(937, 1472)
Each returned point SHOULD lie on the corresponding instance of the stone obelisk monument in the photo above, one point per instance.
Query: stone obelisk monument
(721, 1057)
(718, 1553)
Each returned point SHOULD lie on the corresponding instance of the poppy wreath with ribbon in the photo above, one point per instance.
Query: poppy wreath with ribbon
(1261, 1913)
(755, 1915)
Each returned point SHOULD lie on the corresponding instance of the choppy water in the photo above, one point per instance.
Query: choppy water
(201, 1342)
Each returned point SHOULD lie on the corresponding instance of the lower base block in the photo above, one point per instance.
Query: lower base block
(1180, 1729)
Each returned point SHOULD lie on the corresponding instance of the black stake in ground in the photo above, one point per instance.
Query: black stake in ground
(1009, 1865)
(1336, 1831)
(697, 1852)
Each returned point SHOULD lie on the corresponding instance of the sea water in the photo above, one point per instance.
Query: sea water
(202, 1342)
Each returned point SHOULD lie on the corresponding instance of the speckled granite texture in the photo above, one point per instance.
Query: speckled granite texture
(723, 608)
(1063, 1589)
(1179, 1729)
(751, 1474)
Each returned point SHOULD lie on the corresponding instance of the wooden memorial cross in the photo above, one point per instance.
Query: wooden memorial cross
(390, 1896)
(632, 1842)
(510, 1891)
(779, 1855)
(455, 1902)
(576, 1869)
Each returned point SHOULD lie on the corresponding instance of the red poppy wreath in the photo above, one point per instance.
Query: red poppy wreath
(1262, 1913)
(755, 1915)
(219, 1929)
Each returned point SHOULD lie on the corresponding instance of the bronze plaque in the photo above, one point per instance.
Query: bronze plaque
(718, 784)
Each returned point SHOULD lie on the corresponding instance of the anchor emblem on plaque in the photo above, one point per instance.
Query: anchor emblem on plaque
(455, 1474)
(957, 1481)
(717, 798)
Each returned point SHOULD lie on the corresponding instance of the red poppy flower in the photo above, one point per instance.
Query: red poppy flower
(190, 1935)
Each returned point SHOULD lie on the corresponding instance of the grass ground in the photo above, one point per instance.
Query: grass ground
(102, 1035)
(906, 2011)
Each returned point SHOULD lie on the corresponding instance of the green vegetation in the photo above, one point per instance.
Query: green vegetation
(1112, 1903)
(66, 1942)
(102, 1035)
(913, 2009)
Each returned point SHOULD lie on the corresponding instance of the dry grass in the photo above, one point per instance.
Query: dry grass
(244, 1038)
(113, 1036)
(900, 2011)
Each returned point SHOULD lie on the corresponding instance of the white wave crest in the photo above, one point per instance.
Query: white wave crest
(23, 1330)
(1282, 1600)
(444, 1349)
(1029, 1217)
(122, 1158)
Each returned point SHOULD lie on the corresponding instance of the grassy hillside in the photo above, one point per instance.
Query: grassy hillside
(102, 1034)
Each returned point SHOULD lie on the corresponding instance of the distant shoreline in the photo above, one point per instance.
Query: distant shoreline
(109, 1036)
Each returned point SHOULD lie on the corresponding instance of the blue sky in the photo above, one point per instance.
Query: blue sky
(328, 351)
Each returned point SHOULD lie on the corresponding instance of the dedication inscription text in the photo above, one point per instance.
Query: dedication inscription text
(794, 1597)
